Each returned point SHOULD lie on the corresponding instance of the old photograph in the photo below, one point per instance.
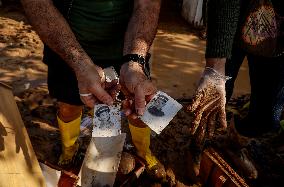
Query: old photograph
(107, 121)
(160, 111)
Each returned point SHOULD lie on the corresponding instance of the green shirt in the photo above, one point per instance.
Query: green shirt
(100, 26)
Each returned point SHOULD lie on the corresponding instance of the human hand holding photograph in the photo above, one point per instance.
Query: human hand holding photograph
(160, 111)
(107, 121)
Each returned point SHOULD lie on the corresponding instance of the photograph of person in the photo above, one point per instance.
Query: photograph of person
(107, 121)
(157, 108)
(103, 115)
(160, 111)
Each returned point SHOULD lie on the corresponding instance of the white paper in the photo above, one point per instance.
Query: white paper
(107, 121)
(51, 175)
(160, 111)
(110, 74)
(102, 161)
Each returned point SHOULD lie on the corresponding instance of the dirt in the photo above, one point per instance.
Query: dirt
(20, 51)
(171, 146)
(177, 49)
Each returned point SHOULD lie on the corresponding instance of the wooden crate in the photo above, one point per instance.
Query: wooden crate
(216, 172)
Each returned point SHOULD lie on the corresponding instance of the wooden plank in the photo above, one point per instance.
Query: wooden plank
(18, 163)
(222, 174)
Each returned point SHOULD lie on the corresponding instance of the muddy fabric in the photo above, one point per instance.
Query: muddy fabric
(100, 26)
(225, 23)
(267, 86)
(260, 31)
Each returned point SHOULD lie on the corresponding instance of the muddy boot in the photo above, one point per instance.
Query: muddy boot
(141, 141)
(69, 134)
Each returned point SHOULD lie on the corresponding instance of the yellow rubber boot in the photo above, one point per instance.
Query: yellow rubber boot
(69, 132)
(141, 140)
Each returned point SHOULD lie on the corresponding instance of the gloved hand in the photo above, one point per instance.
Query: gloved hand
(136, 87)
(208, 108)
(208, 105)
(93, 87)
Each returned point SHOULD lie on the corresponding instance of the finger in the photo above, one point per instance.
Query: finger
(201, 131)
(125, 92)
(198, 114)
(196, 152)
(196, 101)
(101, 73)
(101, 94)
(149, 98)
(133, 116)
(125, 104)
(211, 124)
(149, 88)
(114, 91)
(126, 107)
(200, 135)
(201, 96)
(143, 90)
(207, 103)
(139, 100)
(89, 101)
(222, 118)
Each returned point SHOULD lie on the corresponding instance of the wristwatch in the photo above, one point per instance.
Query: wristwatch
(144, 62)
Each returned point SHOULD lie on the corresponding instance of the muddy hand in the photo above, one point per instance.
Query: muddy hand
(91, 83)
(208, 105)
(136, 87)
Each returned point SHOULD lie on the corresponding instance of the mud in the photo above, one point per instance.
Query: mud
(178, 53)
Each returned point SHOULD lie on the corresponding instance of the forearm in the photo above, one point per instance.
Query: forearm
(55, 32)
(216, 63)
(142, 27)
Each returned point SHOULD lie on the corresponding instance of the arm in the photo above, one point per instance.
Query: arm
(142, 27)
(139, 37)
(56, 33)
(223, 17)
(209, 101)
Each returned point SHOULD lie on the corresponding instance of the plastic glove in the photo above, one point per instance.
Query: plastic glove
(208, 105)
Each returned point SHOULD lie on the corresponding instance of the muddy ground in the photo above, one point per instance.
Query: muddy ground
(171, 146)
(21, 67)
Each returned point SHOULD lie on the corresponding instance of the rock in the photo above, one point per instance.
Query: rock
(127, 163)
(171, 178)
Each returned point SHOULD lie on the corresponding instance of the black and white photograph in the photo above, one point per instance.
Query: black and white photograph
(157, 108)
(160, 111)
(107, 121)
